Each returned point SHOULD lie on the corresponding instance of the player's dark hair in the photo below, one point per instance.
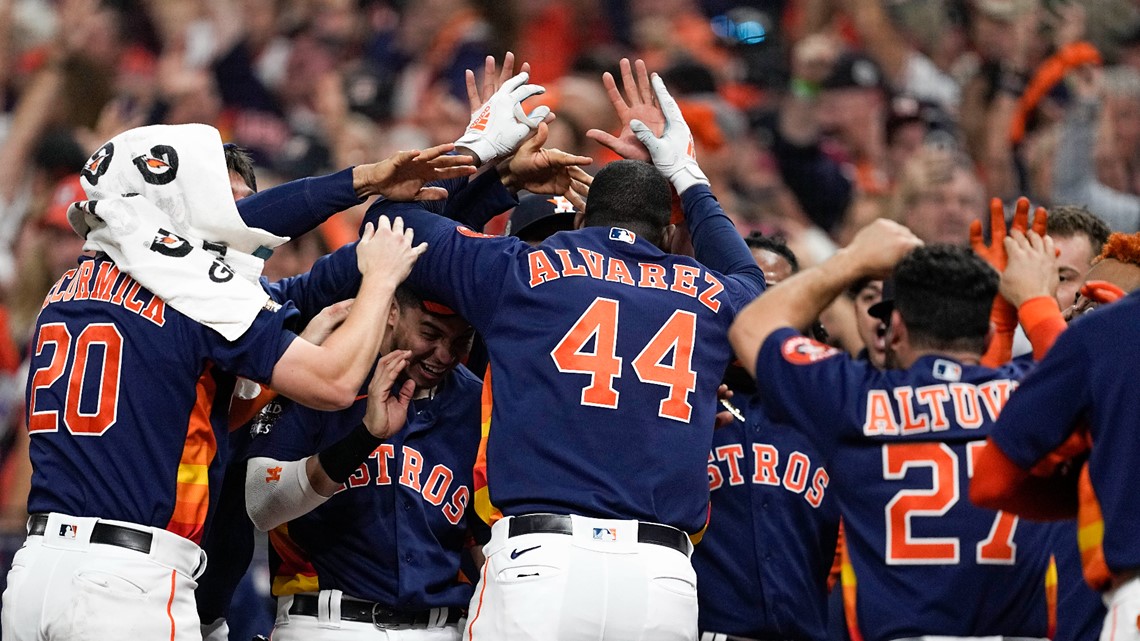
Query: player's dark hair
(944, 294)
(239, 162)
(407, 298)
(775, 244)
(1066, 221)
(631, 194)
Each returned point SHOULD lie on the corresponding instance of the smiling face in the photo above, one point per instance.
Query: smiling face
(438, 343)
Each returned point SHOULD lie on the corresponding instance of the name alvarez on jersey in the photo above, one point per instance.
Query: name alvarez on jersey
(686, 279)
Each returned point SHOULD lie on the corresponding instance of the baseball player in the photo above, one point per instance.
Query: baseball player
(123, 386)
(763, 565)
(293, 209)
(606, 354)
(902, 442)
(1060, 485)
(385, 549)
(1079, 383)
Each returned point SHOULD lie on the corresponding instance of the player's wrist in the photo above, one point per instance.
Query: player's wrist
(341, 459)
(688, 176)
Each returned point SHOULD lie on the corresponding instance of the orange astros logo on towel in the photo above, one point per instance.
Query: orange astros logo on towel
(98, 163)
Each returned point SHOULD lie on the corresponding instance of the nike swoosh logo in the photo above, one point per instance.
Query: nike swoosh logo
(516, 553)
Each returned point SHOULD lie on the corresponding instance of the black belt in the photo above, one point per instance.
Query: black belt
(103, 533)
(379, 615)
(654, 533)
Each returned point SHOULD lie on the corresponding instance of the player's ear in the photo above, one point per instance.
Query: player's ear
(897, 332)
(393, 314)
(668, 232)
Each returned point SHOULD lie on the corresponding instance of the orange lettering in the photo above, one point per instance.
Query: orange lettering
(131, 302)
(83, 289)
(413, 465)
(732, 455)
(766, 459)
(708, 297)
(933, 396)
(104, 282)
(454, 510)
(814, 495)
(618, 272)
(273, 474)
(684, 277)
(652, 276)
(880, 420)
(155, 311)
(796, 473)
(966, 408)
(383, 454)
(568, 266)
(911, 423)
(438, 482)
(595, 262)
(716, 479)
(541, 271)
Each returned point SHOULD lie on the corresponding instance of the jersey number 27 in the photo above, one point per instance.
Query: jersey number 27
(903, 548)
(599, 323)
(87, 347)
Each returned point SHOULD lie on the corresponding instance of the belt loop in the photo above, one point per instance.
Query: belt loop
(328, 608)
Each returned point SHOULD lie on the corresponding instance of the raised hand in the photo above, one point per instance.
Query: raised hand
(500, 124)
(387, 413)
(673, 153)
(1031, 267)
(995, 252)
(387, 249)
(878, 247)
(492, 80)
(639, 104)
(324, 323)
(402, 175)
(543, 171)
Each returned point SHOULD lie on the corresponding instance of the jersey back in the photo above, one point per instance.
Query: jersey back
(902, 443)
(606, 354)
(121, 401)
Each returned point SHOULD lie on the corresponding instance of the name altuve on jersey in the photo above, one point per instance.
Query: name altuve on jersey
(615, 270)
(83, 283)
(907, 410)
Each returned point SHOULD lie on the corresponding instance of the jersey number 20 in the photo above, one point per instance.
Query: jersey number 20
(998, 547)
(104, 335)
(600, 323)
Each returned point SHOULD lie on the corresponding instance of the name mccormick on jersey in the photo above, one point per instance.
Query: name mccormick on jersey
(107, 285)
(688, 280)
(792, 474)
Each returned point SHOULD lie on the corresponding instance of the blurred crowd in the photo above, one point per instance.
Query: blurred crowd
(810, 117)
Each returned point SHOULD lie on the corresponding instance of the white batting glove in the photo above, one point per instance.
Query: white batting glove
(499, 126)
(673, 153)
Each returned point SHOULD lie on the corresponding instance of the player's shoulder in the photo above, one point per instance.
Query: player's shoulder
(466, 380)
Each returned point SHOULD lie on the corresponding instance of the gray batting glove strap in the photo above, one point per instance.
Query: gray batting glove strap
(500, 125)
(674, 153)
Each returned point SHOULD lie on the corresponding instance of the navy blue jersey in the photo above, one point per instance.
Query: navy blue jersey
(121, 401)
(1080, 609)
(1083, 381)
(763, 563)
(902, 445)
(397, 532)
(606, 354)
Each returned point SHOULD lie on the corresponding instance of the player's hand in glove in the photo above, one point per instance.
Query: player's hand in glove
(387, 410)
(673, 153)
(500, 125)
(388, 249)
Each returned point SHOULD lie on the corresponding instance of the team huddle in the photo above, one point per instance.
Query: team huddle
(621, 421)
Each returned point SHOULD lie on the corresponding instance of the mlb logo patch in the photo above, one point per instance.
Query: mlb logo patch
(68, 531)
(622, 235)
(947, 371)
(605, 534)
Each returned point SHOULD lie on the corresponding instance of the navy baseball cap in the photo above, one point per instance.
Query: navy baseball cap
(855, 71)
(882, 309)
(538, 216)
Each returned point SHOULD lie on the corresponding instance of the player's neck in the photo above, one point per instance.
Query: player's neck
(965, 357)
